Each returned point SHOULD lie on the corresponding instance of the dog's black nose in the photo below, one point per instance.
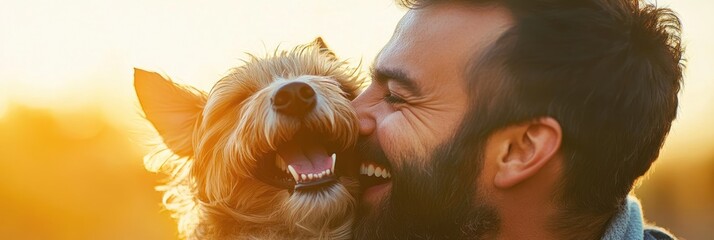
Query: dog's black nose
(295, 98)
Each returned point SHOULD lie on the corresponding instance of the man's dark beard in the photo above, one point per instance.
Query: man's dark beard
(440, 202)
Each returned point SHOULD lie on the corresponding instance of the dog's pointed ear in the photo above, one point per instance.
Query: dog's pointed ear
(324, 49)
(173, 109)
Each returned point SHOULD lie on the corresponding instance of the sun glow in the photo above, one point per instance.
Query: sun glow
(3, 108)
(69, 53)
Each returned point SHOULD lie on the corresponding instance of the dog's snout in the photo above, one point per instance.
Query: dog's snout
(295, 98)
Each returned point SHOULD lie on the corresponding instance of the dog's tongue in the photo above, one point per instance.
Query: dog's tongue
(306, 155)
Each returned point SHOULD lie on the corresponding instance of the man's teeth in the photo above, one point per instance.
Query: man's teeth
(370, 169)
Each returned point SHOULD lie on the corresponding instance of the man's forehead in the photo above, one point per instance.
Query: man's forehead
(452, 18)
(442, 36)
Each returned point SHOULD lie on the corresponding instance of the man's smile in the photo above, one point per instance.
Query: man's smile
(375, 180)
(373, 169)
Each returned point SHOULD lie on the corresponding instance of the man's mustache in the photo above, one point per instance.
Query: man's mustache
(370, 150)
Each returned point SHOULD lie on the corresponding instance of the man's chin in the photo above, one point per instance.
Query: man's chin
(374, 195)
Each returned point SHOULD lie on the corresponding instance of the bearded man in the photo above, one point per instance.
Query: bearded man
(516, 119)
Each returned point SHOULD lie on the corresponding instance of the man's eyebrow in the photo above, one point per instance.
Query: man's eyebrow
(384, 75)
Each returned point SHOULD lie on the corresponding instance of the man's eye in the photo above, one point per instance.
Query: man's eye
(393, 99)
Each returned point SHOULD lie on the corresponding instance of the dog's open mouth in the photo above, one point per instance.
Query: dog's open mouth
(305, 162)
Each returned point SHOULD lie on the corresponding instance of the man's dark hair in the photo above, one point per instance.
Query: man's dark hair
(608, 71)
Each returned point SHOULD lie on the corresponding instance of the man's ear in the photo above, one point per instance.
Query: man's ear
(525, 149)
(173, 109)
(324, 49)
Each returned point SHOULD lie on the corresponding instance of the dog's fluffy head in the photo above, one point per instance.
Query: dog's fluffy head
(226, 174)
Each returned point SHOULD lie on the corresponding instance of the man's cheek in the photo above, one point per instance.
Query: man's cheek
(400, 140)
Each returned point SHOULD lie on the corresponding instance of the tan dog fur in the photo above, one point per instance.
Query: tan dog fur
(217, 140)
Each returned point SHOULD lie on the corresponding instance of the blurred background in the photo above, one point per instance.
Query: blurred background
(72, 139)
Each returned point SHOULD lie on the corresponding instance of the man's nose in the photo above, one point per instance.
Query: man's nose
(366, 117)
(294, 99)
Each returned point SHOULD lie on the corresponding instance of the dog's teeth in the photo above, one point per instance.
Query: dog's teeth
(385, 174)
(370, 170)
(389, 175)
(363, 169)
(303, 176)
(327, 172)
(334, 159)
(378, 172)
(294, 173)
(320, 175)
(310, 176)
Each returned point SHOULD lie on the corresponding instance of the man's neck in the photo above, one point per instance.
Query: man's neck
(527, 209)
(526, 221)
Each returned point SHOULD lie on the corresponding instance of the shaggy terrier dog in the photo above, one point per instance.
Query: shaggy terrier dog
(254, 158)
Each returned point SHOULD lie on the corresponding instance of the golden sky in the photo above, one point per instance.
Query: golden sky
(67, 55)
